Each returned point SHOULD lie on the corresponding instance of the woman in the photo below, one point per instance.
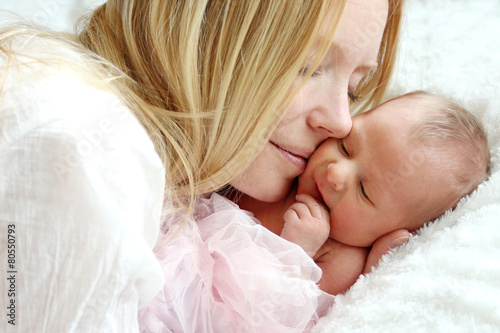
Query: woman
(83, 190)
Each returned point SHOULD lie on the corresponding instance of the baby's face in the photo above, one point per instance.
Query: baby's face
(373, 181)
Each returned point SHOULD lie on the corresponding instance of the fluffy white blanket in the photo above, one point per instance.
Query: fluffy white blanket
(446, 278)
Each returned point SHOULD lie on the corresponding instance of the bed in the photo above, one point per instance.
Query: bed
(447, 277)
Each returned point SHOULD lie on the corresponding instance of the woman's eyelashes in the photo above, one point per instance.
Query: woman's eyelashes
(352, 97)
(305, 71)
(343, 149)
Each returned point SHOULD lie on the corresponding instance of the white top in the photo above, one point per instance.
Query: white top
(81, 190)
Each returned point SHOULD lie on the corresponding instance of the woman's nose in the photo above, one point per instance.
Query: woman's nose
(332, 115)
(337, 174)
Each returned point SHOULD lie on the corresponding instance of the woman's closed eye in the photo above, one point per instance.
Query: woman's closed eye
(305, 70)
(352, 97)
(342, 148)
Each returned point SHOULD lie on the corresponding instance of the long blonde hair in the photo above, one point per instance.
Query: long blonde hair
(210, 79)
(213, 76)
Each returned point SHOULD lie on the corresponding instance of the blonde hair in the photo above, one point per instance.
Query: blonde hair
(451, 132)
(213, 75)
(210, 79)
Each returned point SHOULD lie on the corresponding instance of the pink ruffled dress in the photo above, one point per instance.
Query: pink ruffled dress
(224, 272)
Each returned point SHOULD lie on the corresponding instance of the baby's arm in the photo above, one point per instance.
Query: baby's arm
(307, 224)
(341, 265)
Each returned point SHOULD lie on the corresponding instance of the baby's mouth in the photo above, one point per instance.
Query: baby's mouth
(310, 189)
(317, 192)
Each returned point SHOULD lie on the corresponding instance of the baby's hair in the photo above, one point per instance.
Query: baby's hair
(452, 132)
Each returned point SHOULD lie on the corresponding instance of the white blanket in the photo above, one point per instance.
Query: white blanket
(446, 278)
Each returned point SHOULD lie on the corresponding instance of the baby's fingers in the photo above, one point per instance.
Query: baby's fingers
(298, 211)
(291, 217)
(315, 208)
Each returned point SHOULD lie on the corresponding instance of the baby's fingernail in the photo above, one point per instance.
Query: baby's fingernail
(399, 241)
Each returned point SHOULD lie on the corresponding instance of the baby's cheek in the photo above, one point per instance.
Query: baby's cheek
(345, 225)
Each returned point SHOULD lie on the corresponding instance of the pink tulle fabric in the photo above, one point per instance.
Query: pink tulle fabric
(224, 272)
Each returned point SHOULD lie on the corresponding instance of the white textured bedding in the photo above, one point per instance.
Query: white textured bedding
(446, 278)
(59, 15)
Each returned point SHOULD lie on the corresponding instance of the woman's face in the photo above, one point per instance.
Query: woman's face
(321, 108)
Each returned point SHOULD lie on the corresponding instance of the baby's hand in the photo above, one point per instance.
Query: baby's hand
(307, 224)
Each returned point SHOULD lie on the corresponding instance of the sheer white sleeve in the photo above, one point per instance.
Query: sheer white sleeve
(81, 190)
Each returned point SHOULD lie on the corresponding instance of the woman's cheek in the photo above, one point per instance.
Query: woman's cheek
(266, 179)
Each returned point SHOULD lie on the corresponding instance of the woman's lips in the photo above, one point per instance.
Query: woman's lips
(295, 159)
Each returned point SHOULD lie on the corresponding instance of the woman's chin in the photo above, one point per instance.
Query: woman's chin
(272, 195)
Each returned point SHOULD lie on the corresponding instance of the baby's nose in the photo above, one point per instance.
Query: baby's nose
(336, 174)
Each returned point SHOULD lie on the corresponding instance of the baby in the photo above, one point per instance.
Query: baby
(403, 164)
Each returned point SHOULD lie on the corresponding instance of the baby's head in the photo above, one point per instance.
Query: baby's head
(404, 163)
